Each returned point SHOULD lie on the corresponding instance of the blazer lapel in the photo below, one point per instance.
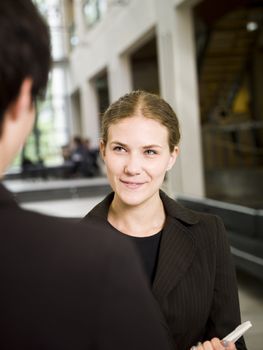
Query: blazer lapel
(177, 250)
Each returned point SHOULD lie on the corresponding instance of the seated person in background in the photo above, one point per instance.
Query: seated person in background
(185, 254)
(90, 166)
(63, 286)
(67, 162)
(66, 154)
(77, 155)
(31, 169)
(26, 166)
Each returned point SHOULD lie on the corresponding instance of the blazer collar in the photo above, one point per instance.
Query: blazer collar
(177, 211)
(101, 210)
(171, 207)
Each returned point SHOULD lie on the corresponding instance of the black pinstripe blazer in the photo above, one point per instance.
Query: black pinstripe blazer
(195, 282)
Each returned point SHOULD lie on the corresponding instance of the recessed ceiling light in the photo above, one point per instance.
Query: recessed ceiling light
(252, 26)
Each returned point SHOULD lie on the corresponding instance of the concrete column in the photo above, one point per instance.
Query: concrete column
(120, 78)
(89, 113)
(187, 102)
(75, 115)
(178, 84)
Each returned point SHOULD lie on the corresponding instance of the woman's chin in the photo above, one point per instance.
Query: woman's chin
(132, 198)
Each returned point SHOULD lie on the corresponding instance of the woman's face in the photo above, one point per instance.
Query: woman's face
(137, 156)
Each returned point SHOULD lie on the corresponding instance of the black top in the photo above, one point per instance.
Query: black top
(148, 248)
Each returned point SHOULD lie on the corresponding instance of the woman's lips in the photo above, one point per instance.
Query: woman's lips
(132, 184)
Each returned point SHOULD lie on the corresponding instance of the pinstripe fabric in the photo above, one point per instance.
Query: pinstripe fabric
(195, 283)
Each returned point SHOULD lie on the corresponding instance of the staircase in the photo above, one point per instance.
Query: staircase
(224, 62)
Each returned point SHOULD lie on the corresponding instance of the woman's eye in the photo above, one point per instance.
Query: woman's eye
(119, 149)
(150, 152)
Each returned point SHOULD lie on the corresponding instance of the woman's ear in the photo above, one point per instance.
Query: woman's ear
(23, 102)
(173, 156)
(102, 149)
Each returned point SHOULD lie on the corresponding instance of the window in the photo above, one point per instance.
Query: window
(93, 11)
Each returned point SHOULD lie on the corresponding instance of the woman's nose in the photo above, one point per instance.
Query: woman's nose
(133, 165)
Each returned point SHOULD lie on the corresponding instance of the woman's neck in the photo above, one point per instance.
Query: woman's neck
(139, 221)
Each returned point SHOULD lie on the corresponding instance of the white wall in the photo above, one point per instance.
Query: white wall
(115, 35)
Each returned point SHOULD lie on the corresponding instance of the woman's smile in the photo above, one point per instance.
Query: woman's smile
(132, 184)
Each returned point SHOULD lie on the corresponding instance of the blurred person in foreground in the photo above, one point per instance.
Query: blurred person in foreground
(60, 288)
(185, 254)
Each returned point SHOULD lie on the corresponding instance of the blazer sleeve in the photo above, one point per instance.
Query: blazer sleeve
(225, 311)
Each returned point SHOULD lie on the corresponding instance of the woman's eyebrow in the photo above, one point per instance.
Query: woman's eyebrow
(118, 143)
(125, 145)
(152, 146)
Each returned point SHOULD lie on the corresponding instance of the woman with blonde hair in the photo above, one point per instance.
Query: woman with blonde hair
(185, 254)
